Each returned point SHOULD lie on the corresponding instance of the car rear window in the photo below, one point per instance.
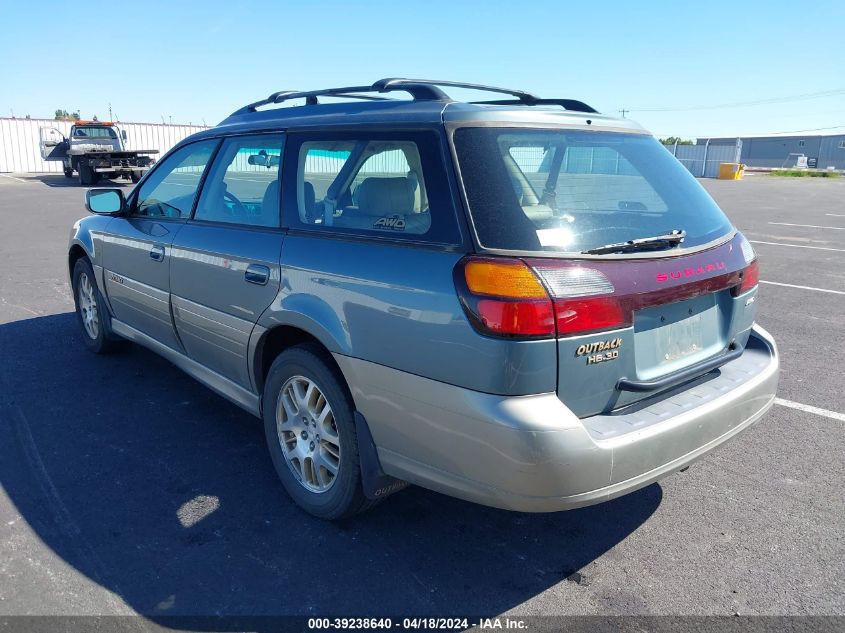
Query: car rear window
(569, 191)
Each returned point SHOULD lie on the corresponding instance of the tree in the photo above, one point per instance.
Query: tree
(64, 115)
(672, 140)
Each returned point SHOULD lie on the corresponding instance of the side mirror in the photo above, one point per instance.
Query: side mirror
(123, 135)
(105, 201)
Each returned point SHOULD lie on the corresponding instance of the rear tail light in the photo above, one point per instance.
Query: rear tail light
(750, 277)
(503, 297)
(507, 297)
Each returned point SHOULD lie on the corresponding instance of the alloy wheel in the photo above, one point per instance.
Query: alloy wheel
(308, 434)
(88, 307)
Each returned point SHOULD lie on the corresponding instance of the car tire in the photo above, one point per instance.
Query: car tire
(91, 312)
(86, 174)
(135, 176)
(302, 464)
(68, 172)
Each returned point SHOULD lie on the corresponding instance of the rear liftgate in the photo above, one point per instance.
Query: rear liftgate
(626, 329)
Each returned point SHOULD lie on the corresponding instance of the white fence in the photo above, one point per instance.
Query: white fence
(703, 160)
(19, 152)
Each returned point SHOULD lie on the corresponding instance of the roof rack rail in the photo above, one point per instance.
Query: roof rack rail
(419, 89)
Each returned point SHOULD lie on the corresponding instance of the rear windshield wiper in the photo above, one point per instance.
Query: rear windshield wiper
(656, 243)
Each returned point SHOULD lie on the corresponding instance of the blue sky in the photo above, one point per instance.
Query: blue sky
(196, 61)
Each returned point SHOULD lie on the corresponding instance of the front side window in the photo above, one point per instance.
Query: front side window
(388, 186)
(243, 184)
(169, 191)
(569, 191)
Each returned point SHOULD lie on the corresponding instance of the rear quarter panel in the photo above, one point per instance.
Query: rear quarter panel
(396, 305)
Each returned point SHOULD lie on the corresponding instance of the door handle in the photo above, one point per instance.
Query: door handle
(257, 274)
(157, 253)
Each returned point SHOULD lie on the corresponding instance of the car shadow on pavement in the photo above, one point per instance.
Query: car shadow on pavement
(164, 493)
(59, 180)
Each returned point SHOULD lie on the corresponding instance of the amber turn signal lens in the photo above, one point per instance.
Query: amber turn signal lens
(510, 279)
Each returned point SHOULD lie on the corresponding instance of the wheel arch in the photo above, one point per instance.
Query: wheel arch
(75, 253)
(375, 482)
(277, 339)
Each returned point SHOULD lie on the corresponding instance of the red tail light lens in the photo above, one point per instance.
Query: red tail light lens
(750, 277)
(589, 314)
(517, 318)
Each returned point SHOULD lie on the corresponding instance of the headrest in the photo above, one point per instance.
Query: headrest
(270, 202)
(308, 194)
(386, 196)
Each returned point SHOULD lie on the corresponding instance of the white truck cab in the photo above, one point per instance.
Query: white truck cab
(94, 149)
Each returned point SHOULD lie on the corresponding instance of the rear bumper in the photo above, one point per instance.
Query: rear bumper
(532, 454)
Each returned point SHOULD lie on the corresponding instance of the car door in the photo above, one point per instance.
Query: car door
(136, 248)
(225, 261)
(52, 143)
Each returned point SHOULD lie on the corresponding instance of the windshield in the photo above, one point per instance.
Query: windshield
(572, 191)
(94, 132)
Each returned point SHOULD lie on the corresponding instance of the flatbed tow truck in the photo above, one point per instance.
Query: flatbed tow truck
(94, 149)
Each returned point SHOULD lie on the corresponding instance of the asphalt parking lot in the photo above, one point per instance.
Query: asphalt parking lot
(127, 487)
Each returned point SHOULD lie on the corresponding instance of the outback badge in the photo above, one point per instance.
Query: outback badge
(600, 351)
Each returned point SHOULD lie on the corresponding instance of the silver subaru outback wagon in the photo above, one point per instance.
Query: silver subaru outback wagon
(518, 302)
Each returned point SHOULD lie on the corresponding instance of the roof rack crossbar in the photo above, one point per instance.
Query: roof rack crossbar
(412, 85)
(566, 104)
(310, 96)
(419, 89)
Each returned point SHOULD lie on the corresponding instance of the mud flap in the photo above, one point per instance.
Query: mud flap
(376, 483)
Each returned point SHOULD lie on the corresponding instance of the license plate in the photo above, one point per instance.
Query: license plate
(680, 339)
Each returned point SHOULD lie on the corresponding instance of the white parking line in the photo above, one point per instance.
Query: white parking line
(818, 248)
(777, 283)
(809, 409)
(810, 226)
(13, 178)
(836, 215)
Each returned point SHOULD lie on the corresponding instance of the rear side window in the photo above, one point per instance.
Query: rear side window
(569, 191)
(380, 184)
(243, 184)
